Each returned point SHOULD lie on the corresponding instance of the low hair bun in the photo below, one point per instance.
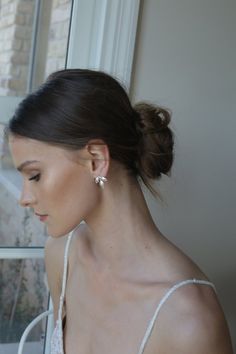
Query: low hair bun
(155, 148)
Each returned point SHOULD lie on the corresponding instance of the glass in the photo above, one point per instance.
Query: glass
(23, 296)
(16, 30)
(52, 39)
(33, 42)
(18, 226)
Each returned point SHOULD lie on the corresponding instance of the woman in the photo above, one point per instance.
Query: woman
(118, 285)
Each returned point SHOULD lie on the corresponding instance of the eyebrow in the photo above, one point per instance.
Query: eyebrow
(26, 163)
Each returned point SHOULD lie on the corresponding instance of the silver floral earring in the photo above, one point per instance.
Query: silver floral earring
(100, 181)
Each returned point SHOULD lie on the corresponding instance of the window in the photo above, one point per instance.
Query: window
(33, 42)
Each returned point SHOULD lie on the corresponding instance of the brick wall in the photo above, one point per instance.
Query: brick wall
(58, 35)
(16, 23)
(16, 29)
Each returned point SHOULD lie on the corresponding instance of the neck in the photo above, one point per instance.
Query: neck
(121, 234)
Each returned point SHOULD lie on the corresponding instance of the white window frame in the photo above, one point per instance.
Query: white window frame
(103, 36)
(21, 252)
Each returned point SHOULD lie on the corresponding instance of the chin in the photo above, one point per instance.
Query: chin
(60, 232)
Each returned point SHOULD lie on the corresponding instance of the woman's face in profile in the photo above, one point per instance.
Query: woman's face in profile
(56, 185)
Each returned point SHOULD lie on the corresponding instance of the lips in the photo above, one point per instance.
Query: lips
(42, 217)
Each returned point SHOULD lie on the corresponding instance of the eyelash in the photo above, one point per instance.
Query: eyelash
(36, 178)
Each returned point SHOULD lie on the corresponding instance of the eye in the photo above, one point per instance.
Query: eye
(35, 178)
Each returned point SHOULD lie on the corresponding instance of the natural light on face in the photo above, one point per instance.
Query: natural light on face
(55, 185)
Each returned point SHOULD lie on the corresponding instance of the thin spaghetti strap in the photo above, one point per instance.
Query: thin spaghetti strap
(163, 300)
(65, 267)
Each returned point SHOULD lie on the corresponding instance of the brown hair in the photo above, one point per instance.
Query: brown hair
(76, 105)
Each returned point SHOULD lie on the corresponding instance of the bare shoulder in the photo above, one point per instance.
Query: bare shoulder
(54, 262)
(192, 321)
(54, 257)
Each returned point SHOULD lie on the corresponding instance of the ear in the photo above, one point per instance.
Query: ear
(99, 157)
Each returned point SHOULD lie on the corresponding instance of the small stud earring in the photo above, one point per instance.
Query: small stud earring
(100, 181)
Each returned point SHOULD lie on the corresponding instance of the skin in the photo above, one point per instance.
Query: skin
(120, 264)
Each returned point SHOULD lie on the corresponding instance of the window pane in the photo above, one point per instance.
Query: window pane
(19, 227)
(16, 31)
(52, 39)
(23, 296)
(33, 42)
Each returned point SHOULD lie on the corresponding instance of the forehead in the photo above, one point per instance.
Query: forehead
(24, 145)
(22, 142)
(29, 149)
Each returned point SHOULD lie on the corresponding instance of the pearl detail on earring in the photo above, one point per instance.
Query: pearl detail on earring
(100, 181)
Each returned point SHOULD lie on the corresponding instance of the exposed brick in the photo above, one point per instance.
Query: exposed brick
(6, 57)
(15, 70)
(60, 14)
(5, 69)
(6, 46)
(20, 58)
(16, 20)
(63, 2)
(5, 10)
(7, 20)
(12, 6)
(8, 32)
(26, 46)
(26, 7)
(55, 3)
(4, 81)
(24, 71)
(8, 8)
(28, 19)
(20, 19)
(17, 44)
(4, 2)
(23, 32)
(17, 84)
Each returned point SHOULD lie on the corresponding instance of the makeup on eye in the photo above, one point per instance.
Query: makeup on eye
(35, 177)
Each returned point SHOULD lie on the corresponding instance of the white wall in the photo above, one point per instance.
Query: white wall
(185, 59)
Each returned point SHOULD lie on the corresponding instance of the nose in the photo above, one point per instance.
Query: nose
(26, 199)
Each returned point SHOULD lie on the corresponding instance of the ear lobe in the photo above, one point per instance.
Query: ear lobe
(99, 156)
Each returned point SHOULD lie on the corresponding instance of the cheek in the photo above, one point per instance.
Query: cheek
(71, 201)
(71, 192)
(59, 196)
